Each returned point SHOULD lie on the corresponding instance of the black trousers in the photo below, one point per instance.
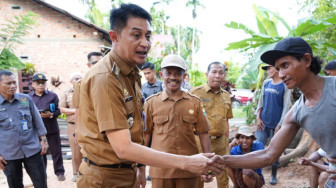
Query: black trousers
(35, 168)
(54, 141)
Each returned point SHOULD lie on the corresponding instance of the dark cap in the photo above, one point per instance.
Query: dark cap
(265, 67)
(331, 65)
(148, 65)
(287, 46)
(39, 76)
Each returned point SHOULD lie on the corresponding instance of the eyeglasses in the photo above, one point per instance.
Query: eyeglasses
(93, 62)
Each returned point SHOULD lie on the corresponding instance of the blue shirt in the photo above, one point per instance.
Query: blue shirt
(255, 147)
(150, 89)
(17, 143)
(43, 103)
(273, 103)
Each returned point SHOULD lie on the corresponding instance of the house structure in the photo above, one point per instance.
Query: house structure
(59, 44)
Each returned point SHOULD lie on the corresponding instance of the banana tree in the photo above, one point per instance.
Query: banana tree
(267, 36)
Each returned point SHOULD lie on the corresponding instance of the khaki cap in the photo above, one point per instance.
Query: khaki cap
(245, 130)
(173, 60)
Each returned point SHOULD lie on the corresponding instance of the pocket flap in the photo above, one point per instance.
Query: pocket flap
(189, 119)
(3, 116)
(160, 119)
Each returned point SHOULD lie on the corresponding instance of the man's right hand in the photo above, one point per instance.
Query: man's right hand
(199, 164)
(3, 162)
(44, 146)
(260, 124)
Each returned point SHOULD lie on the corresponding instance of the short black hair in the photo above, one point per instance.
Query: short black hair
(148, 65)
(216, 63)
(119, 16)
(94, 54)
(5, 73)
(315, 65)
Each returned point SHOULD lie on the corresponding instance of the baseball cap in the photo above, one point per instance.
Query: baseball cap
(173, 60)
(265, 66)
(331, 65)
(245, 130)
(39, 76)
(287, 46)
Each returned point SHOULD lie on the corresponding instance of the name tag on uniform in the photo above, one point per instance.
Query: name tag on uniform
(205, 100)
(2, 109)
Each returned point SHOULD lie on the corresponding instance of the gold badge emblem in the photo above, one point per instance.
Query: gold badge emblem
(125, 92)
(23, 99)
(40, 76)
(130, 122)
(191, 111)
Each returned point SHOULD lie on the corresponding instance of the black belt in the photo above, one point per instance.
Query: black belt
(121, 165)
(71, 123)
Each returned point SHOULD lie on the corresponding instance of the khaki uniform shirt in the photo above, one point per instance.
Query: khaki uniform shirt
(217, 108)
(75, 95)
(66, 102)
(110, 99)
(172, 124)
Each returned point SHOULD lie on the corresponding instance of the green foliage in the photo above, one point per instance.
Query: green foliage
(322, 9)
(29, 68)
(97, 17)
(249, 112)
(13, 31)
(9, 61)
(238, 112)
(233, 73)
(197, 77)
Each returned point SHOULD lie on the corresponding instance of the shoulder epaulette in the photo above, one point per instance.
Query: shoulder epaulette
(194, 96)
(116, 70)
(153, 96)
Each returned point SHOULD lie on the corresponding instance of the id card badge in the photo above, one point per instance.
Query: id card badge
(24, 125)
(24, 122)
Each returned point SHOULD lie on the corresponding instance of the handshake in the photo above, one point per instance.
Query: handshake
(207, 165)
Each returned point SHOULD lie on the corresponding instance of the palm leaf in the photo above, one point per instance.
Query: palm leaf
(235, 25)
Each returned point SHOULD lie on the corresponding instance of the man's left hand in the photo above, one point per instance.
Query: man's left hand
(44, 146)
(141, 177)
(3, 162)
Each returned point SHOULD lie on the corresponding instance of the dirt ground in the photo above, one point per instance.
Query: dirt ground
(292, 176)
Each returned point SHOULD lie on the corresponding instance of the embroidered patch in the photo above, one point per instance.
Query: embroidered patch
(205, 100)
(191, 111)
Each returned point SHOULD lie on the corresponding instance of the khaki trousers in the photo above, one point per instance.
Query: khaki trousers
(219, 146)
(93, 176)
(174, 183)
(75, 149)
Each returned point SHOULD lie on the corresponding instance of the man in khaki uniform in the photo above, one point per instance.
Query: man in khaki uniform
(68, 109)
(93, 58)
(171, 117)
(217, 108)
(110, 108)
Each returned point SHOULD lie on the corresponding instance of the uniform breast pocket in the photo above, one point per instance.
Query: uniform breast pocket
(25, 113)
(188, 123)
(160, 124)
(5, 122)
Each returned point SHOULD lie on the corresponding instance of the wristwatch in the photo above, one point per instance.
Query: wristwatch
(44, 139)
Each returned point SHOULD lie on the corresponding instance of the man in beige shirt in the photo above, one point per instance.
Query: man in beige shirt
(69, 110)
(171, 118)
(110, 108)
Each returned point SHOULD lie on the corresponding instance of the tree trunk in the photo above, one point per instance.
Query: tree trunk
(302, 148)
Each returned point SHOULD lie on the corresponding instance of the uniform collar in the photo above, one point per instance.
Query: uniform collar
(165, 95)
(125, 68)
(208, 88)
(2, 99)
(156, 83)
(45, 92)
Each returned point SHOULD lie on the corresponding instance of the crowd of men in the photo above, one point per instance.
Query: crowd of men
(116, 126)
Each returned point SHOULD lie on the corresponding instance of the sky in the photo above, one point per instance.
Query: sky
(210, 21)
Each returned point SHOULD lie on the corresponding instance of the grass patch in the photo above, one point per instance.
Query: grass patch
(238, 112)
